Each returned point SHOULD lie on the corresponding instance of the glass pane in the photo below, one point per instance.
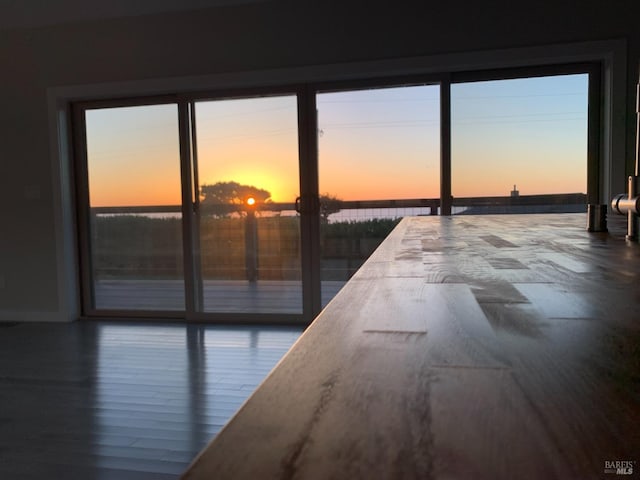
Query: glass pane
(247, 156)
(134, 194)
(519, 137)
(379, 145)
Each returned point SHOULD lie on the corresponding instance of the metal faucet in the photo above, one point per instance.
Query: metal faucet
(629, 203)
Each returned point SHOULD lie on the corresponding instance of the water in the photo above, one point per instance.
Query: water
(364, 214)
(344, 215)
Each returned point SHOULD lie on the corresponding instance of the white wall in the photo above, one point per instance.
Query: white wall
(278, 41)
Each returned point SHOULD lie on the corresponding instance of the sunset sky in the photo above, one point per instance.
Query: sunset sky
(380, 144)
(373, 144)
(529, 132)
(252, 142)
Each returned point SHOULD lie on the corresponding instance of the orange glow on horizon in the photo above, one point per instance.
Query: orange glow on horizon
(381, 144)
(282, 190)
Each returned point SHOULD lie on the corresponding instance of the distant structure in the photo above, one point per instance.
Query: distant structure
(514, 192)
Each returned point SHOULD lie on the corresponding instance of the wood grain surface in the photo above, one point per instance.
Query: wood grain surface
(491, 347)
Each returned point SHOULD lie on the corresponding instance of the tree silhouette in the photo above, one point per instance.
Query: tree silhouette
(328, 204)
(232, 193)
(231, 197)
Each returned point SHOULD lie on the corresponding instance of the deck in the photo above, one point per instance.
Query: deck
(227, 296)
(492, 347)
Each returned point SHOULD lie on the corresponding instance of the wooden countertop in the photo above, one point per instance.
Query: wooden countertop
(466, 347)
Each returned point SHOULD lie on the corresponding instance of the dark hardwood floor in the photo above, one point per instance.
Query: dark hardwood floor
(123, 401)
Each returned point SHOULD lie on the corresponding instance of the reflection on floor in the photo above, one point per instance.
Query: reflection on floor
(123, 401)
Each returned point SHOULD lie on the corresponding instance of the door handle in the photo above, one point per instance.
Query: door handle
(308, 204)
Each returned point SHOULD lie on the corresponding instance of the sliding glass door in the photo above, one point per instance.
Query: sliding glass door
(134, 249)
(191, 215)
(260, 205)
(378, 161)
(248, 254)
